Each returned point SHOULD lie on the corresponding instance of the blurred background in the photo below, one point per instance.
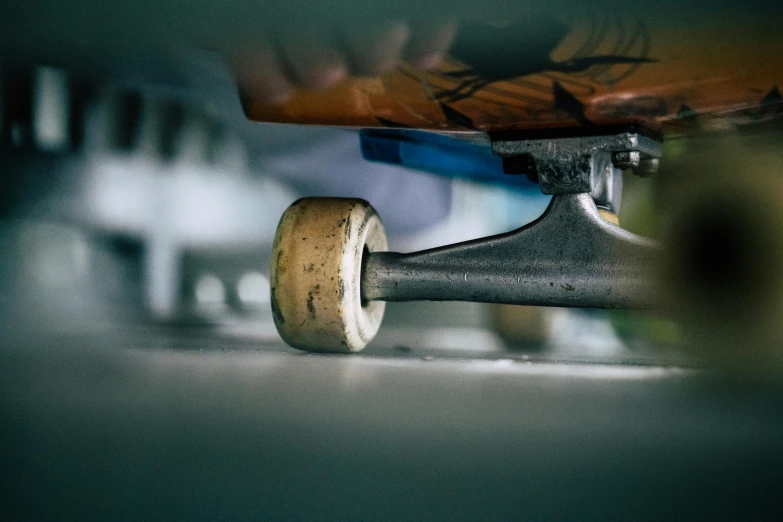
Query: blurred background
(135, 191)
(125, 206)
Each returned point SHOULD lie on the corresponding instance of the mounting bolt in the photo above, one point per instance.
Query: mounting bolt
(632, 159)
(627, 159)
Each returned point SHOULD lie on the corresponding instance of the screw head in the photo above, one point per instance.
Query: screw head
(627, 159)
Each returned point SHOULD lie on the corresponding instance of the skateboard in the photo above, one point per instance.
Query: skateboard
(569, 105)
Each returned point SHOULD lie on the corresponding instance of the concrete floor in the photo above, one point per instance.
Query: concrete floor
(161, 425)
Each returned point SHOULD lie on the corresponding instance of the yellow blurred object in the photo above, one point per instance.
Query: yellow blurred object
(609, 216)
(523, 326)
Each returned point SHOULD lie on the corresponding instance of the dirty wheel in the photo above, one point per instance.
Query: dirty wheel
(316, 274)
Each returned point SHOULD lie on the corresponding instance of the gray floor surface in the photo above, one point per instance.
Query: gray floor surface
(186, 425)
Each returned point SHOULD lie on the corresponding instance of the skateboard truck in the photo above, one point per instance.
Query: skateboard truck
(571, 256)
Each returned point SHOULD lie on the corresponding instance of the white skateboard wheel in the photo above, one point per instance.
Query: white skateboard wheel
(316, 274)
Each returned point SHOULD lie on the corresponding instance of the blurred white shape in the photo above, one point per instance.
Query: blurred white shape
(163, 265)
(120, 195)
(210, 291)
(253, 289)
(194, 206)
(175, 206)
(50, 109)
(579, 332)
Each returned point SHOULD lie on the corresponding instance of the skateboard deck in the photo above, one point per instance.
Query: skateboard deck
(679, 74)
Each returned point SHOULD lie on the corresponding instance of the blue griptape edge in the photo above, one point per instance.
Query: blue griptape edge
(437, 154)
